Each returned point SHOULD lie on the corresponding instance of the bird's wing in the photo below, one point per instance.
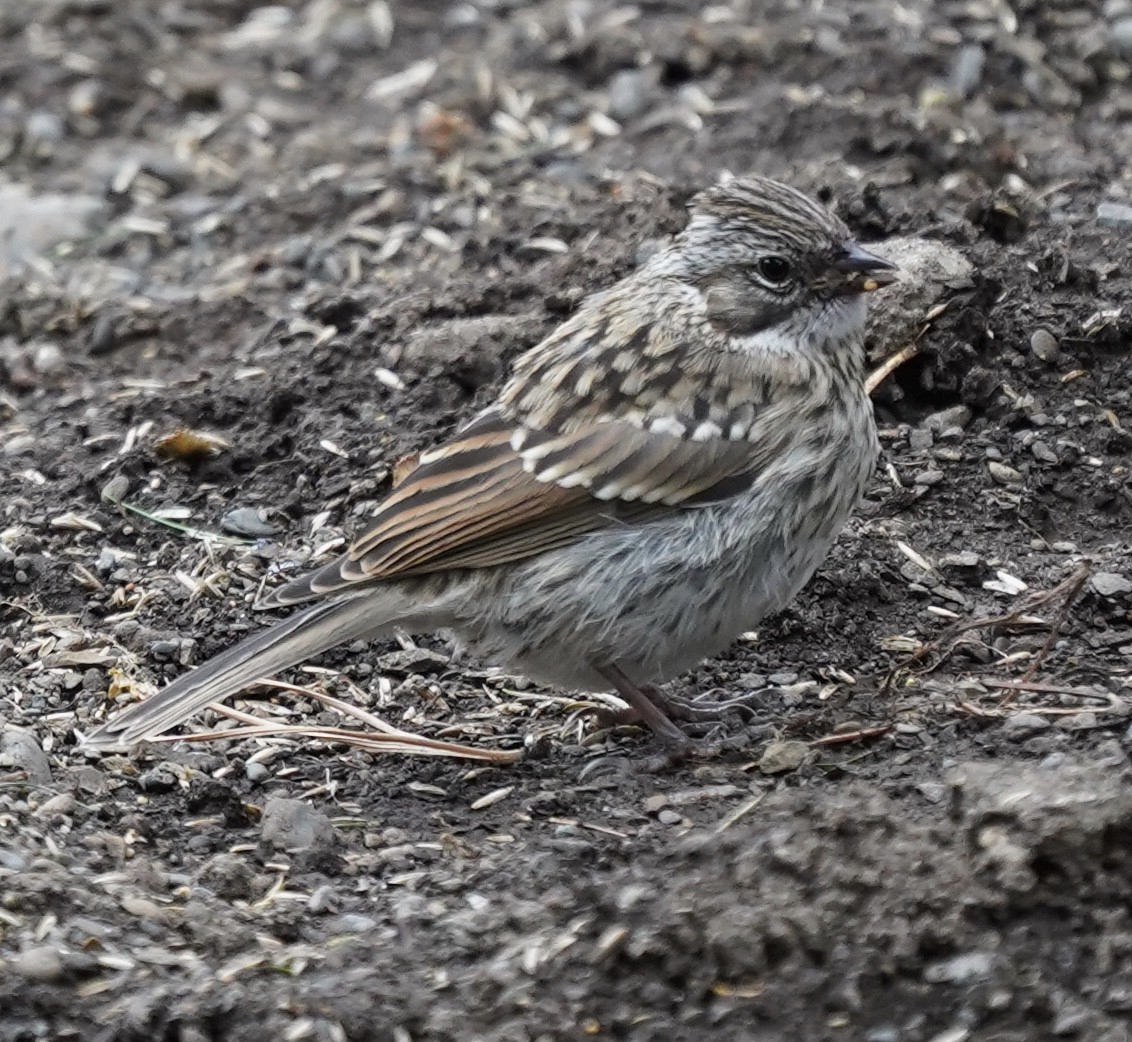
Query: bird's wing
(500, 492)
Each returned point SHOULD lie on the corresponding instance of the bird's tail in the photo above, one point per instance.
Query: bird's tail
(285, 644)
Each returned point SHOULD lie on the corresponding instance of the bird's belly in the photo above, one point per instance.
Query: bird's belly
(655, 602)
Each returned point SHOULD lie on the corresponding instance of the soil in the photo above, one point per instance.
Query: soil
(320, 232)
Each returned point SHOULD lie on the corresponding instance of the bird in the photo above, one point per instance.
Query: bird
(662, 471)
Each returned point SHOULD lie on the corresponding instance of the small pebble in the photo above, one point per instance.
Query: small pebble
(40, 964)
(1114, 213)
(1120, 35)
(933, 792)
(1022, 725)
(669, 817)
(247, 521)
(629, 92)
(21, 750)
(256, 773)
(1085, 721)
(59, 805)
(294, 825)
(229, 877)
(779, 757)
(114, 491)
(927, 478)
(920, 440)
(1044, 345)
(1004, 474)
(48, 360)
(955, 416)
(161, 778)
(352, 922)
(959, 968)
(1111, 584)
(324, 899)
(783, 679)
(12, 860)
(962, 559)
(966, 70)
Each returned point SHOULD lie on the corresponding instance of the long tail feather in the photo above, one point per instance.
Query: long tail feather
(285, 644)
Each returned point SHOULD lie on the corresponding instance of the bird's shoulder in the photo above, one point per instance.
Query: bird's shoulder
(642, 355)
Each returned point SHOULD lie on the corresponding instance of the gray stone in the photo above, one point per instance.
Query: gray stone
(248, 521)
(1044, 345)
(1120, 36)
(1109, 212)
(21, 750)
(780, 757)
(1111, 584)
(959, 969)
(1022, 725)
(31, 225)
(42, 964)
(294, 825)
(930, 271)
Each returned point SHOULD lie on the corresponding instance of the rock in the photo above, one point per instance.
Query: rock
(1044, 345)
(42, 964)
(59, 805)
(478, 341)
(30, 225)
(920, 440)
(1083, 721)
(1114, 213)
(48, 360)
(228, 876)
(629, 92)
(1120, 36)
(1110, 584)
(945, 419)
(966, 70)
(162, 777)
(928, 478)
(352, 922)
(930, 271)
(1022, 725)
(21, 750)
(12, 860)
(1067, 820)
(248, 521)
(324, 899)
(1004, 474)
(959, 969)
(114, 491)
(779, 757)
(962, 559)
(294, 825)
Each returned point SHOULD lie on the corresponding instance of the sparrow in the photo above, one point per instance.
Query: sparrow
(666, 468)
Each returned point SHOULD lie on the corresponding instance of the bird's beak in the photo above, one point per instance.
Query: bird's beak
(858, 271)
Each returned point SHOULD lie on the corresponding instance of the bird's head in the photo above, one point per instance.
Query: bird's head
(773, 264)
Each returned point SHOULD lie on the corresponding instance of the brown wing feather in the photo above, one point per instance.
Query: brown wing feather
(477, 502)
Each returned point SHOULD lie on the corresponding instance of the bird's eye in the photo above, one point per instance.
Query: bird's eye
(775, 270)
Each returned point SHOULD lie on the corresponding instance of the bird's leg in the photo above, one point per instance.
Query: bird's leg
(686, 709)
(643, 708)
(681, 708)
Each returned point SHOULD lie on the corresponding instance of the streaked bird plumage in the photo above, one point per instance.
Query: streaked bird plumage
(667, 467)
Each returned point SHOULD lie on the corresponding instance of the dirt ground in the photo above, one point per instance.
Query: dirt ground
(319, 232)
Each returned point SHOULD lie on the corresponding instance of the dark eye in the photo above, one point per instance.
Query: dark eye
(775, 270)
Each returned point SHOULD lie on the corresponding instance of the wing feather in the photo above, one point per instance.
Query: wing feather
(478, 502)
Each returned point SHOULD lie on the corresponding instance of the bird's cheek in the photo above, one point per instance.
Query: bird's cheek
(733, 312)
